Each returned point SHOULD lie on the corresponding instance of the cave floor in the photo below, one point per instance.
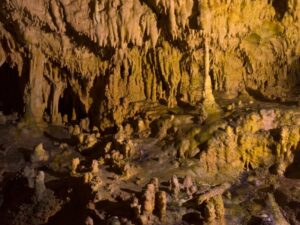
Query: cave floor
(107, 199)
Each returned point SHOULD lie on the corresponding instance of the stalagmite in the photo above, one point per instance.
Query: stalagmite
(214, 211)
(174, 186)
(74, 165)
(162, 205)
(149, 199)
(155, 182)
(30, 174)
(189, 186)
(40, 187)
(39, 154)
(95, 167)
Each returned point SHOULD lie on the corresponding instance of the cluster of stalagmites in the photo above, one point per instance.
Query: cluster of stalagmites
(149, 208)
(155, 202)
(115, 153)
(152, 205)
(264, 138)
(44, 203)
(85, 137)
(267, 138)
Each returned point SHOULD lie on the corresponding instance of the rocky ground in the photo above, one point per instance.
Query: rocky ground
(239, 166)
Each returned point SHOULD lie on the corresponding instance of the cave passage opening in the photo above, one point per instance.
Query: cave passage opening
(70, 105)
(11, 90)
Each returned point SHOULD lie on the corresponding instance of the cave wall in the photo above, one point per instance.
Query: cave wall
(114, 56)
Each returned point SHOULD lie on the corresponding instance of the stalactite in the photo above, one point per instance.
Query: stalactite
(116, 37)
(56, 11)
(172, 19)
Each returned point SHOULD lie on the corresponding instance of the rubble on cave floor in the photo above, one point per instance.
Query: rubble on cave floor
(241, 167)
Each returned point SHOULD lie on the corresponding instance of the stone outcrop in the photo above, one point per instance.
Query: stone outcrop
(260, 139)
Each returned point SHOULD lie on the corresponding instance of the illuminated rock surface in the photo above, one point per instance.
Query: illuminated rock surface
(130, 111)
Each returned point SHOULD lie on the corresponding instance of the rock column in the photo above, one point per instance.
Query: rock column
(34, 102)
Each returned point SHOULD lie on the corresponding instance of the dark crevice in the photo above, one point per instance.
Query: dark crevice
(69, 102)
(258, 95)
(151, 4)
(193, 19)
(293, 170)
(66, 103)
(280, 6)
(11, 90)
(99, 101)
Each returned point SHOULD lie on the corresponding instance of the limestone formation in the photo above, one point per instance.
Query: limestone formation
(212, 35)
(136, 207)
(184, 148)
(40, 187)
(289, 140)
(155, 182)
(104, 101)
(189, 186)
(39, 154)
(87, 177)
(74, 165)
(174, 186)
(216, 191)
(214, 211)
(95, 167)
(84, 124)
(90, 141)
(30, 174)
(162, 205)
(149, 199)
(76, 130)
